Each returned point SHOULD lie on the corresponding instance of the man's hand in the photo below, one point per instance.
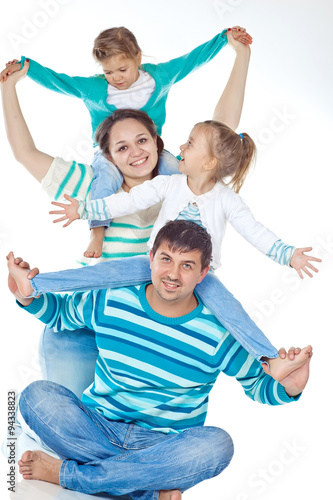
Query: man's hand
(300, 262)
(292, 352)
(68, 210)
(19, 274)
(297, 365)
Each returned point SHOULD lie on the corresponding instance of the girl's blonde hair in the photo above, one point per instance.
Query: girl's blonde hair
(234, 153)
(115, 41)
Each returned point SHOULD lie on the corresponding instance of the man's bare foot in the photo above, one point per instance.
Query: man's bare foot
(95, 246)
(281, 368)
(40, 465)
(170, 495)
(19, 274)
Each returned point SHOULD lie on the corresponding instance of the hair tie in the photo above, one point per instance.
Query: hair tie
(241, 136)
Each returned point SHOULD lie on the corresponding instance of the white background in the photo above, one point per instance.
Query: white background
(282, 451)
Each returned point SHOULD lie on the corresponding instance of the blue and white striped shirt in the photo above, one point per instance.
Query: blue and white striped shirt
(153, 370)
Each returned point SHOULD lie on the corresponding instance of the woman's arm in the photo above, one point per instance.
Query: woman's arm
(229, 107)
(19, 137)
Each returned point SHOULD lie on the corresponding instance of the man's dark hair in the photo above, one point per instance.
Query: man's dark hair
(185, 236)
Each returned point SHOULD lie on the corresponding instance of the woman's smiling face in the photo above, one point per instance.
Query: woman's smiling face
(133, 149)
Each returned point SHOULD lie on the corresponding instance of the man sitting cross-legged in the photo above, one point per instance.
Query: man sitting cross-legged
(139, 429)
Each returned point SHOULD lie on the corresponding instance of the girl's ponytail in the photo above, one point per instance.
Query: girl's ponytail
(245, 159)
(234, 153)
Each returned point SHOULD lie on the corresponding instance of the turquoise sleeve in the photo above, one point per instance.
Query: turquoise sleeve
(180, 67)
(62, 312)
(75, 86)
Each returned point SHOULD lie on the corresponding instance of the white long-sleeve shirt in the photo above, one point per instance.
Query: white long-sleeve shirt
(216, 207)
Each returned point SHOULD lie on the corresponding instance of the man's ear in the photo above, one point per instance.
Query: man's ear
(203, 274)
(151, 257)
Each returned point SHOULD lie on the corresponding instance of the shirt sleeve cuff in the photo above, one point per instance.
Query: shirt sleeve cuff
(35, 306)
(284, 396)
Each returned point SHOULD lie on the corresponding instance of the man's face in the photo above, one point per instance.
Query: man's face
(175, 274)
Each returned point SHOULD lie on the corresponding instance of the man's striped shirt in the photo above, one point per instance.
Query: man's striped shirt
(153, 370)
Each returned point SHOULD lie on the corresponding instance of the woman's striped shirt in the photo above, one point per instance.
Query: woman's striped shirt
(126, 236)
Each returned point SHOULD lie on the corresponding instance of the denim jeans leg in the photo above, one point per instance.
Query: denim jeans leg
(167, 163)
(110, 274)
(234, 318)
(119, 458)
(66, 425)
(107, 181)
(68, 358)
(180, 462)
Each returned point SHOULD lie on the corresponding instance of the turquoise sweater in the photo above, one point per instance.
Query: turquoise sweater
(93, 90)
(154, 370)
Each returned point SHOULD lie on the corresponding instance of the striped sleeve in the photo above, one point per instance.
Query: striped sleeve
(63, 312)
(68, 177)
(281, 253)
(258, 386)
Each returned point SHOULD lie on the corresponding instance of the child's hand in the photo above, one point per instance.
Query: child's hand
(238, 34)
(70, 210)
(300, 261)
(11, 67)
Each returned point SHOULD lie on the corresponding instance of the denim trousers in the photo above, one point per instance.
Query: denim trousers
(105, 456)
(108, 179)
(136, 270)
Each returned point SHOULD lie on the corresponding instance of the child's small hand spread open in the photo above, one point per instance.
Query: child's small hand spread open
(69, 211)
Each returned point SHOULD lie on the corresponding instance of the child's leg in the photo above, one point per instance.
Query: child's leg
(167, 163)
(107, 181)
(234, 318)
(95, 247)
(110, 274)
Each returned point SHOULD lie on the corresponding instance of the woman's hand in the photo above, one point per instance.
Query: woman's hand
(300, 262)
(11, 67)
(70, 211)
(238, 36)
(13, 73)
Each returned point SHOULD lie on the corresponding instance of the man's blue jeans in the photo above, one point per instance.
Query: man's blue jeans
(136, 270)
(101, 455)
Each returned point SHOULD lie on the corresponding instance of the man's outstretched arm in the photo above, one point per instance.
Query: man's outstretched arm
(257, 381)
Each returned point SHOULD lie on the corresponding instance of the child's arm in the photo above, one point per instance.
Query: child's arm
(182, 66)
(19, 137)
(229, 107)
(76, 86)
(241, 218)
(139, 198)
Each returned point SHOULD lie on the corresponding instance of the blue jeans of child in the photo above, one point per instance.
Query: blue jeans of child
(136, 270)
(108, 179)
(101, 455)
